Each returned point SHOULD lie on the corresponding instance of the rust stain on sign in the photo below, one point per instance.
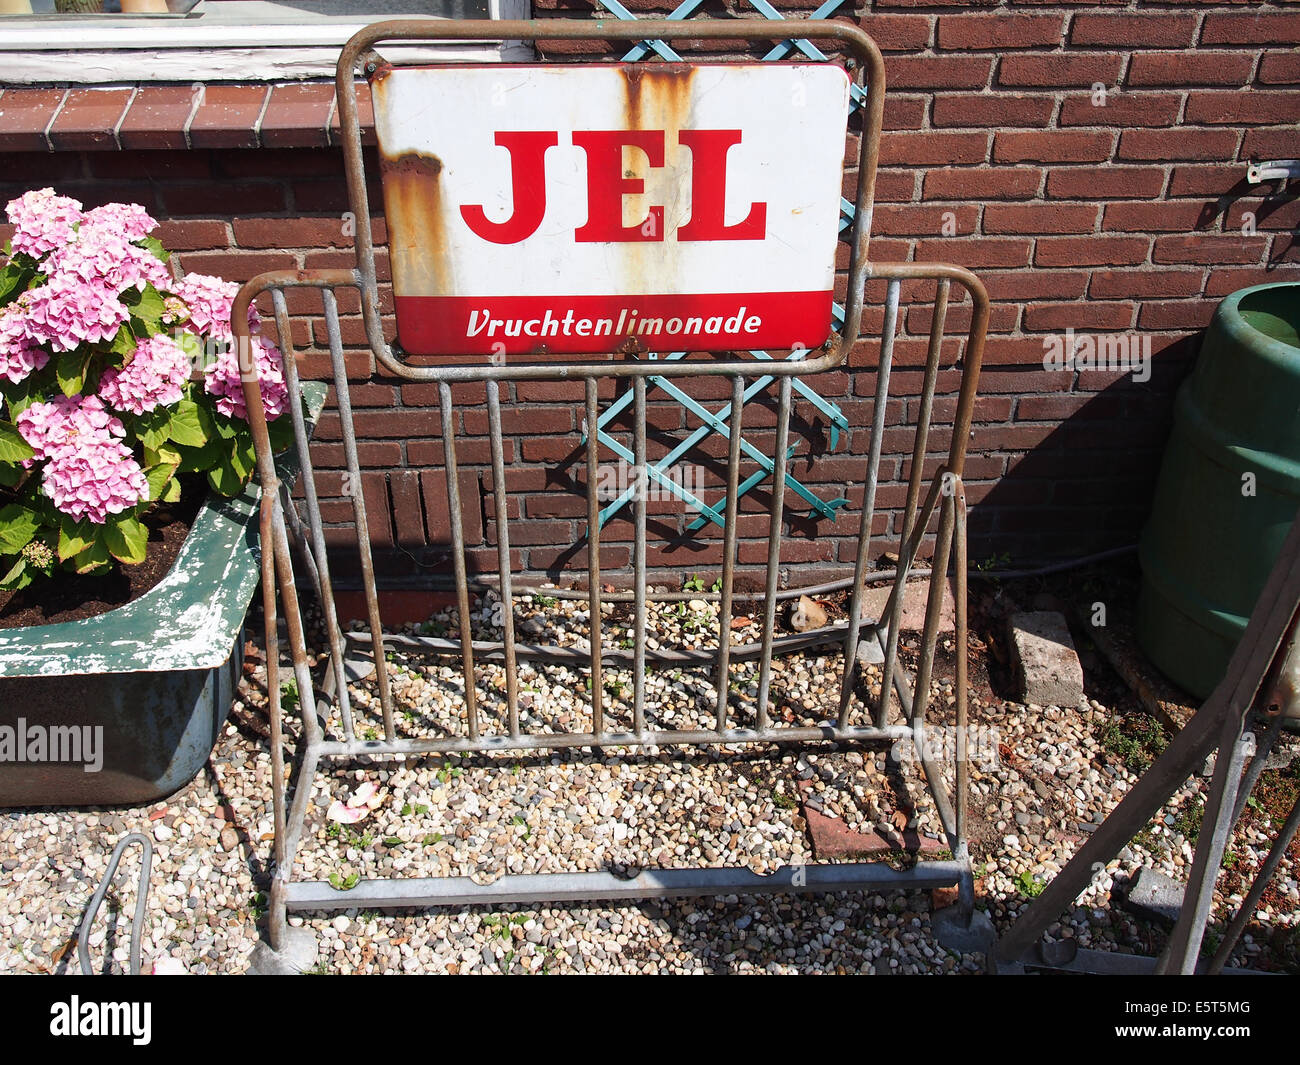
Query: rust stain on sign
(656, 98)
(417, 226)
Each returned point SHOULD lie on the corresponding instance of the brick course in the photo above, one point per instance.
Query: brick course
(1099, 211)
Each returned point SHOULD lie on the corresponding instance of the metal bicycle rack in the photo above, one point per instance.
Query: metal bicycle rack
(492, 724)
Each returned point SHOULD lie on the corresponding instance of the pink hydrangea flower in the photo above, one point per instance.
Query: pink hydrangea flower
(67, 311)
(131, 220)
(208, 300)
(104, 256)
(43, 221)
(19, 354)
(155, 376)
(89, 472)
(222, 380)
(95, 482)
(67, 423)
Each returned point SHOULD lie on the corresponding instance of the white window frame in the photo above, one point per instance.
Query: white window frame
(100, 50)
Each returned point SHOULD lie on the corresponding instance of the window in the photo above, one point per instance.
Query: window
(212, 40)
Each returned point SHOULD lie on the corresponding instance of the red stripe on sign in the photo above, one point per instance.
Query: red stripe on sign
(522, 325)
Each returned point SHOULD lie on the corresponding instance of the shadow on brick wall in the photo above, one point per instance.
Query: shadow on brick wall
(1087, 485)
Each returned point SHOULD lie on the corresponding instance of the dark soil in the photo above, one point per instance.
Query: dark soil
(68, 597)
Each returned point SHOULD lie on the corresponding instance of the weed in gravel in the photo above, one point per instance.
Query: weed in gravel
(783, 801)
(1188, 822)
(1135, 739)
(1030, 886)
(1150, 842)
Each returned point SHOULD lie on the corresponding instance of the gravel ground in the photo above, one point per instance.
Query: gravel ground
(1054, 779)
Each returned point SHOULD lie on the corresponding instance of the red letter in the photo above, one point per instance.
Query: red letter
(709, 189)
(527, 188)
(606, 185)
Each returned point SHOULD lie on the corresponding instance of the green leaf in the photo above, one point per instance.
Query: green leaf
(154, 437)
(154, 246)
(17, 577)
(194, 349)
(155, 419)
(126, 540)
(161, 455)
(124, 343)
(280, 432)
(159, 478)
(173, 492)
(185, 426)
(18, 526)
(70, 370)
(11, 476)
(243, 457)
(202, 459)
(13, 448)
(14, 278)
(146, 306)
(95, 557)
(225, 480)
(24, 394)
(207, 416)
(74, 537)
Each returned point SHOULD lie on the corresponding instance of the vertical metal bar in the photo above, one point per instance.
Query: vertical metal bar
(503, 554)
(278, 545)
(972, 358)
(297, 812)
(869, 506)
(933, 612)
(926, 408)
(638, 559)
(293, 623)
(593, 560)
(300, 535)
(921, 694)
(729, 547)
(872, 72)
(314, 525)
(274, 709)
(456, 517)
(894, 606)
(893, 615)
(774, 547)
(344, 403)
(960, 640)
(276, 563)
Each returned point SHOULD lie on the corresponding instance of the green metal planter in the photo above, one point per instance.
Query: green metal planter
(125, 707)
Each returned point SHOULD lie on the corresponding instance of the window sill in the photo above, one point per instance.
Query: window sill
(107, 50)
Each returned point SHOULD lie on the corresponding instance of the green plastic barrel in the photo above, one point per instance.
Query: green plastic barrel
(1229, 488)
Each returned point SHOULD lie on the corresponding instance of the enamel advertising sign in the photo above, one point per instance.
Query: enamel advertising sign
(586, 209)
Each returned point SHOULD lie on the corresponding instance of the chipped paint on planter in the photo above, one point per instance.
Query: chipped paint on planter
(169, 627)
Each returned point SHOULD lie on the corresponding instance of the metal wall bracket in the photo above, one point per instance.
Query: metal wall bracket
(1272, 170)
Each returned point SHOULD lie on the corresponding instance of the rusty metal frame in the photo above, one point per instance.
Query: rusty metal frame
(280, 518)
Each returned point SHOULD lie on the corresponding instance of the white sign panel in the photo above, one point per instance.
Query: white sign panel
(581, 209)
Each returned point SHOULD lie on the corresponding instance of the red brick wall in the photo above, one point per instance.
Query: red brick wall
(1104, 219)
